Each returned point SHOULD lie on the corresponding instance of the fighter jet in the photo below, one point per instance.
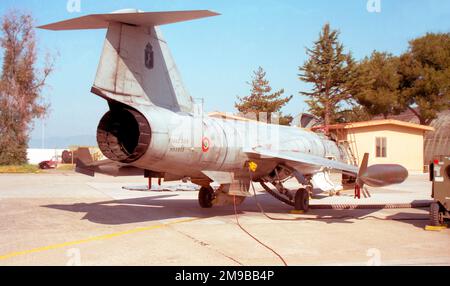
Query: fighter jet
(155, 128)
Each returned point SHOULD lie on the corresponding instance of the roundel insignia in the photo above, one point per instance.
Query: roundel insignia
(205, 144)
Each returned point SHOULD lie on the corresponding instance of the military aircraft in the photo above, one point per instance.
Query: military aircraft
(154, 127)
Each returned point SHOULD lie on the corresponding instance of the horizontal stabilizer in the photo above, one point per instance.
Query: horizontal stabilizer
(136, 18)
(84, 159)
(86, 166)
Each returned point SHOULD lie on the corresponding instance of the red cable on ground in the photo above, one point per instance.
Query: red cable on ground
(252, 236)
(316, 218)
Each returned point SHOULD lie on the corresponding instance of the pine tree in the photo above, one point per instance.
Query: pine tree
(261, 99)
(356, 113)
(425, 76)
(376, 85)
(329, 70)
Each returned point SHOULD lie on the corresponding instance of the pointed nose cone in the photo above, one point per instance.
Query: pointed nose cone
(384, 174)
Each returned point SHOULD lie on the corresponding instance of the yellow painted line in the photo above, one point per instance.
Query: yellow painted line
(91, 239)
(296, 212)
(435, 228)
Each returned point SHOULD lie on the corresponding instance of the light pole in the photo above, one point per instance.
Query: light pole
(43, 134)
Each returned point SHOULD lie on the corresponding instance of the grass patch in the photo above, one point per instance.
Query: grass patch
(65, 167)
(19, 169)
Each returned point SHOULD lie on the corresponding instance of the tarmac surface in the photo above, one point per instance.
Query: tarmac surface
(63, 218)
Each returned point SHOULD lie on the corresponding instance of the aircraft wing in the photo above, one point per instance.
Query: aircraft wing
(298, 159)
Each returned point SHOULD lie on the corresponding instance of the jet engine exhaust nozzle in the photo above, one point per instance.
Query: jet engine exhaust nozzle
(123, 135)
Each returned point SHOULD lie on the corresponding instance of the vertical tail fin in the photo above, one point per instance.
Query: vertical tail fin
(136, 66)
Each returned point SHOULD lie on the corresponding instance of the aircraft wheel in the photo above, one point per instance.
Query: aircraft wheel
(205, 197)
(435, 215)
(302, 200)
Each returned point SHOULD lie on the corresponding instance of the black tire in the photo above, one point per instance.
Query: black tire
(44, 166)
(205, 197)
(435, 215)
(302, 200)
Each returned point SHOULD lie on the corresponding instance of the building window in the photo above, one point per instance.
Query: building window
(380, 147)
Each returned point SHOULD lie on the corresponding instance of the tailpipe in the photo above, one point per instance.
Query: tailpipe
(123, 135)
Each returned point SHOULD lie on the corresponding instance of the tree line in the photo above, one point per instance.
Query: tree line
(382, 84)
(21, 86)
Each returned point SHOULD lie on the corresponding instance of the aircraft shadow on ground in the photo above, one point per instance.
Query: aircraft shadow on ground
(166, 206)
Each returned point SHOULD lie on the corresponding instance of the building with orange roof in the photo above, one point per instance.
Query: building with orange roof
(386, 141)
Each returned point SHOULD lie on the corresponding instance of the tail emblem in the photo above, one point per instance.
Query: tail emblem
(149, 56)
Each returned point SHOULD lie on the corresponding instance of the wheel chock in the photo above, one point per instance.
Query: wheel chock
(296, 212)
(435, 228)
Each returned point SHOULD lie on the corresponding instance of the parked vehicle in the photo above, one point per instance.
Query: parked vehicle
(49, 164)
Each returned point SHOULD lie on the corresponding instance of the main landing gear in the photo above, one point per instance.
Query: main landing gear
(205, 197)
(301, 200)
(208, 197)
(298, 199)
(225, 195)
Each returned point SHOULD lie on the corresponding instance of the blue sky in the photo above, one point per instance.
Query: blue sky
(216, 56)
